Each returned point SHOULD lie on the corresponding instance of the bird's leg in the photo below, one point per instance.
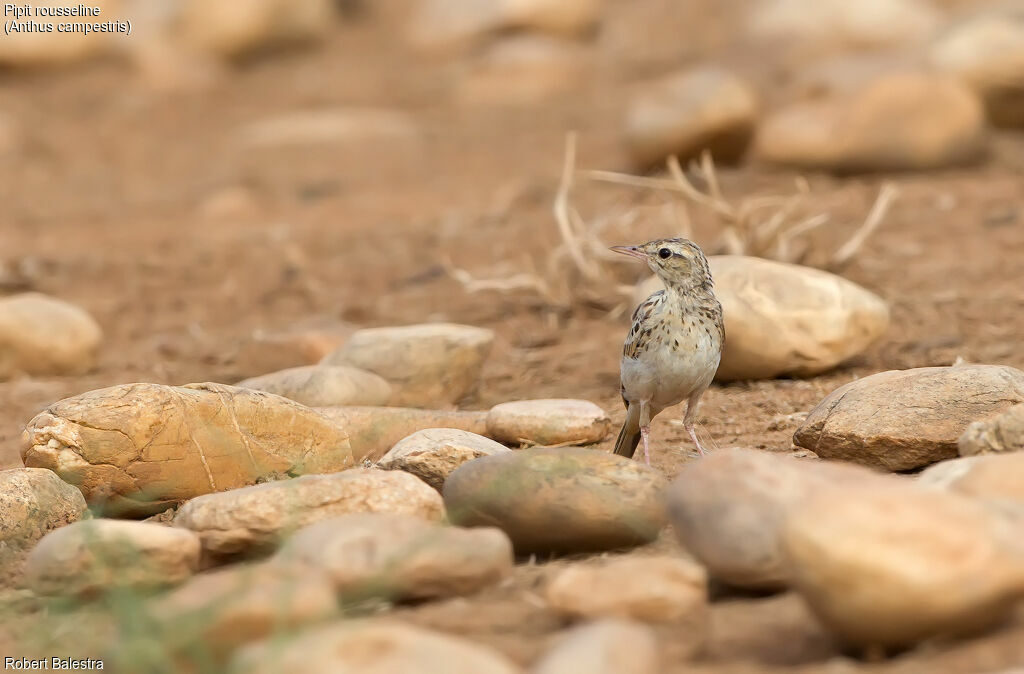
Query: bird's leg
(691, 412)
(645, 430)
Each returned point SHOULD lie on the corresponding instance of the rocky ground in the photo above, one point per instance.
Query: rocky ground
(212, 206)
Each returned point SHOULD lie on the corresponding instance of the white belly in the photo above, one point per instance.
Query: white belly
(667, 376)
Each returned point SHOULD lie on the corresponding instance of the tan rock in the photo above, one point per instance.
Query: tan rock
(433, 453)
(237, 27)
(1003, 432)
(33, 502)
(141, 448)
(429, 365)
(41, 335)
(265, 352)
(373, 431)
(32, 49)
(523, 70)
(610, 646)
(897, 122)
(904, 419)
(996, 478)
(892, 566)
(702, 108)
(548, 422)
(324, 385)
(986, 51)
(785, 319)
(559, 500)
(372, 647)
(252, 520)
(650, 589)
(227, 608)
(728, 510)
(400, 557)
(317, 127)
(88, 557)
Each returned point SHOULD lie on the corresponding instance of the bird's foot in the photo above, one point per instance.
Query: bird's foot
(693, 436)
(645, 433)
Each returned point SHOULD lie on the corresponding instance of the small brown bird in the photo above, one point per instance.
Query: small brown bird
(674, 346)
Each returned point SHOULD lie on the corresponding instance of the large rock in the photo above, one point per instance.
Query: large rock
(729, 507)
(227, 608)
(650, 589)
(901, 121)
(324, 386)
(373, 431)
(41, 335)
(433, 453)
(88, 557)
(455, 24)
(238, 27)
(429, 365)
(559, 500)
(398, 557)
(785, 319)
(904, 419)
(611, 646)
(33, 502)
(548, 422)
(253, 520)
(372, 647)
(986, 50)
(703, 108)
(1003, 432)
(891, 566)
(997, 479)
(138, 449)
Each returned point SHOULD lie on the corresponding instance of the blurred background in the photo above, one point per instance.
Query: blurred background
(236, 174)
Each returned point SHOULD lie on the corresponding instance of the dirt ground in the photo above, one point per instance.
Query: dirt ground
(108, 199)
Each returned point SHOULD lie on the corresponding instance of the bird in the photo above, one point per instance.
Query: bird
(674, 344)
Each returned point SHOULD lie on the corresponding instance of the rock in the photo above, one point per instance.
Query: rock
(138, 449)
(650, 589)
(901, 121)
(371, 647)
(998, 479)
(729, 507)
(253, 520)
(373, 431)
(786, 319)
(905, 419)
(703, 108)
(33, 502)
(429, 365)
(548, 422)
(265, 352)
(41, 335)
(433, 453)
(324, 386)
(891, 566)
(226, 608)
(523, 70)
(986, 51)
(33, 49)
(400, 557)
(318, 127)
(88, 557)
(231, 28)
(559, 500)
(1004, 432)
(608, 646)
(445, 25)
(837, 24)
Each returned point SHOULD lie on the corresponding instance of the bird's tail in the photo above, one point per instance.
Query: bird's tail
(629, 436)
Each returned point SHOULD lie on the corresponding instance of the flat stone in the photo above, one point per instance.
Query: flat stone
(400, 557)
(42, 335)
(1002, 432)
(89, 557)
(433, 453)
(548, 422)
(905, 419)
(33, 502)
(254, 520)
(997, 478)
(559, 500)
(324, 386)
(609, 646)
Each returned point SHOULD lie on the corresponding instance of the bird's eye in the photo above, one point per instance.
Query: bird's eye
(664, 253)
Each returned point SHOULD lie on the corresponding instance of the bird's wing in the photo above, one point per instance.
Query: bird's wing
(639, 332)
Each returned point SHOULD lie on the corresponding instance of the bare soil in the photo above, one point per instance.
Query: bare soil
(108, 199)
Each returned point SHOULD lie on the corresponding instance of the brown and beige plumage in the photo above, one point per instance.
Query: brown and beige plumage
(674, 344)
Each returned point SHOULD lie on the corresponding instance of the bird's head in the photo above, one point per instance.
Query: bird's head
(678, 262)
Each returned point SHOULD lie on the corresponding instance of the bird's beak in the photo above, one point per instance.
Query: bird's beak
(632, 251)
